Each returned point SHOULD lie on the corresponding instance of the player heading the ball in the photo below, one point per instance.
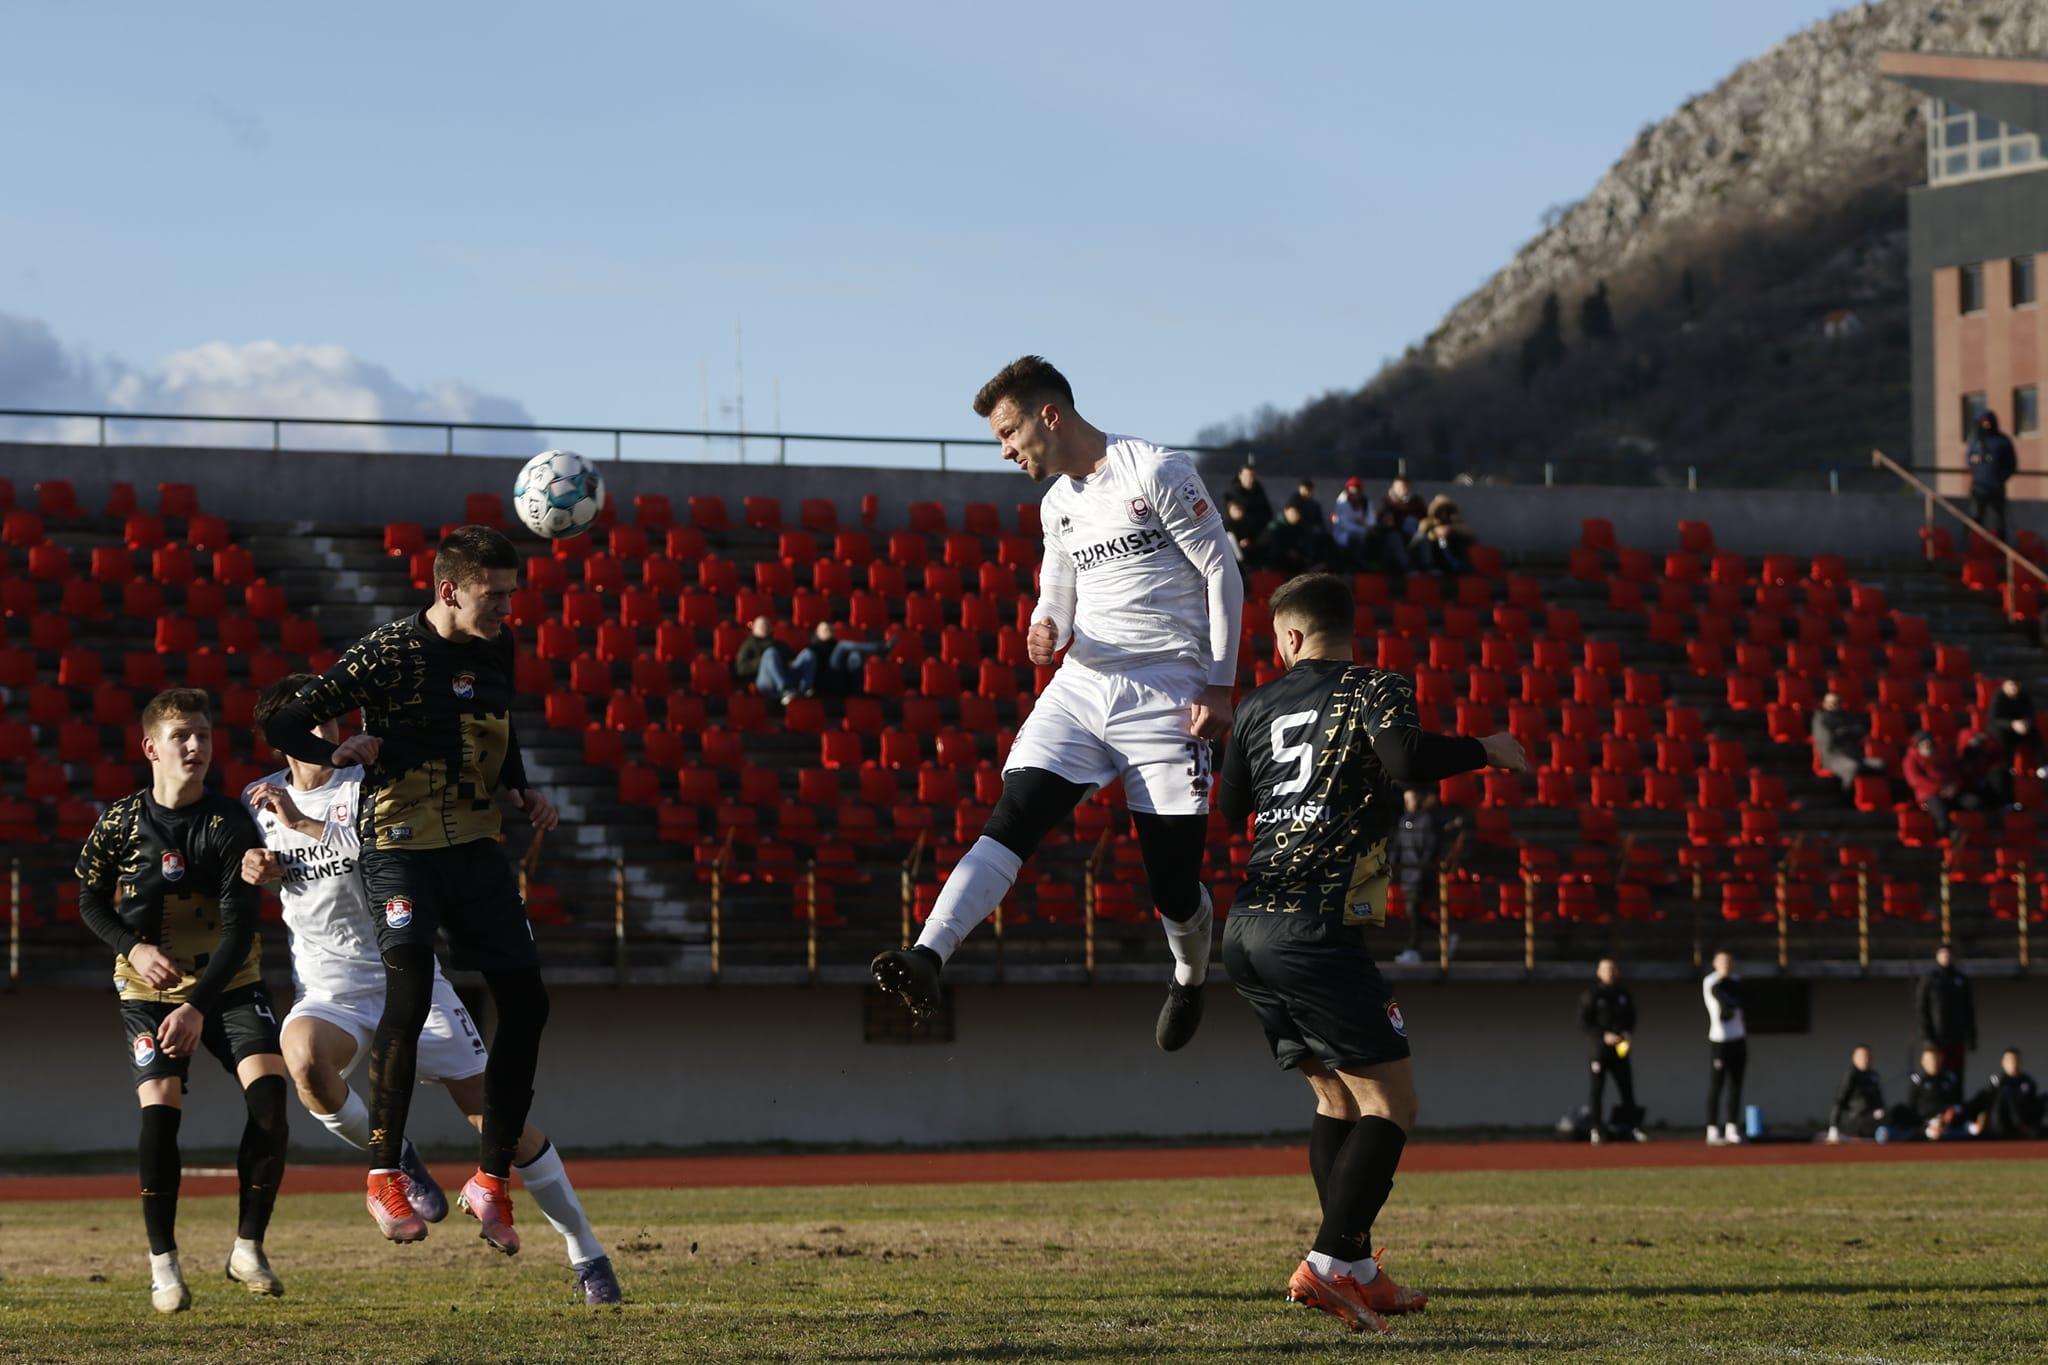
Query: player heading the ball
(160, 883)
(437, 746)
(1139, 586)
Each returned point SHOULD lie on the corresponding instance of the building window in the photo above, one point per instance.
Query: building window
(1971, 287)
(1973, 408)
(1963, 144)
(2026, 410)
(2022, 281)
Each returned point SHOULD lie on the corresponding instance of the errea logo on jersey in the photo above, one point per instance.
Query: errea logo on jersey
(173, 865)
(398, 912)
(465, 685)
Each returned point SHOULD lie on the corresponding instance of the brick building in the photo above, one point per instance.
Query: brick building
(1978, 230)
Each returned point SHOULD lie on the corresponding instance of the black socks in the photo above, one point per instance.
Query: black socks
(1360, 1178)
(261, 1159)
(394, 1049)
(1325, 1136)
(521, 1004)
(161, 1169)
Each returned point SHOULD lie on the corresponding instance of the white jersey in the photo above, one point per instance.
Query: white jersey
(1724, 1025)
(1138, 568)
(326, 910)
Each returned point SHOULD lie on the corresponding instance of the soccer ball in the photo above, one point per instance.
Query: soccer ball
(558, 493)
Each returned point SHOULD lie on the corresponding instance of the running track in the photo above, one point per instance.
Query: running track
(1089, 1163)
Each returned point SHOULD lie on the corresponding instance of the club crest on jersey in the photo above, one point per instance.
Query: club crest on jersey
(1141, 511)
(1394, 1018)
(465, 685)
(173, 865)
(398, 912)
(145, 1049)
(1191, 494)
(339, 814)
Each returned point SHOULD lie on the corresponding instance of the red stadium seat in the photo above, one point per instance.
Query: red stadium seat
(484, 509)
(57, 500)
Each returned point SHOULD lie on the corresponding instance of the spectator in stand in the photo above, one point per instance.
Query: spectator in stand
(1408, 509)
(1727, 1047)
(2012, 720)
(1244, 534)
(1948, 1011)
(2009, 1107)
(1934, 1100)
(1859, 1101)
(1607, 1014)
(1937, 785)
(1350, 522)
(767, 663)
(1443, 538)
(1838, 736)
(1293, 544)
(1305, 498)
(1257, 506)
(1982, 773)
(1416, 850)
(1386, 544)
(831, 665)
(1992, 464)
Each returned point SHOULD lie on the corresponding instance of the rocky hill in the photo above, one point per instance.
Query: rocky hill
(1680, 313)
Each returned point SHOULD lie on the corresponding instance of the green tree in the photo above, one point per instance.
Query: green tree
(1596, 318)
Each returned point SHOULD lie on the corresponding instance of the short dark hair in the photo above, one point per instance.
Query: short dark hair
(1321, 601)
(467, 553)
(176, 701)
(1028, 379)
(276, 696)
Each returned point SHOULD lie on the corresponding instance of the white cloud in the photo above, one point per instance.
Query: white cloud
(256, 378)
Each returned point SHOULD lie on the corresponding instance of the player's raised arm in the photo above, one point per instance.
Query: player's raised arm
(356, 677)
(1412, 755)
(1191, 518)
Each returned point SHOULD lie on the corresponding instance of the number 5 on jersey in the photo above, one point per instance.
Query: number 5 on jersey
(1302, 755)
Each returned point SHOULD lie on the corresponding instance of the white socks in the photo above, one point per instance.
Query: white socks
(984, 875)
(1189, 940)
(1330, 1268)
(245, 1247)
(549, 1185)
(351, 1123)
(164, 1271)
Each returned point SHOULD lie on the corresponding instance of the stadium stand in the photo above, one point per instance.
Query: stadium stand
(1663, 698)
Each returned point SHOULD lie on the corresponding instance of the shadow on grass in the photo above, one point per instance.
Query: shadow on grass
(1276, 1350)
(1659, 1291)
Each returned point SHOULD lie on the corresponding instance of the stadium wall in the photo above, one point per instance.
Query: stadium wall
(748, 1065)
(373, 488)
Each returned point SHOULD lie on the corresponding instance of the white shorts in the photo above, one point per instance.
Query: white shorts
(1092, 728)
(451, 1049)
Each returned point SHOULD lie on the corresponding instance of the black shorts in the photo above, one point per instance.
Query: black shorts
(240, 1024)
(1315, 988)
(470, 890)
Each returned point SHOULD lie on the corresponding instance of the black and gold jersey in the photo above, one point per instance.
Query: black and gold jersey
(172, 877)
(1318, 757)
(443, 709)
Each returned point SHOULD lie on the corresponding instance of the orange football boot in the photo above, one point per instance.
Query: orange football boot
(1343, 1298)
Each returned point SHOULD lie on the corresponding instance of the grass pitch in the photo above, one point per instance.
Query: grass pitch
(1845, 1264)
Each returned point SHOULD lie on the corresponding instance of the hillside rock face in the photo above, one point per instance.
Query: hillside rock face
(1806, 125)
(1722, 238)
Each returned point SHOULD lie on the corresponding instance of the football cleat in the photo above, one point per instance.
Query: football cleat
(1343, 1298)
(167, 1289)
(598, 1282)
(1731, 1136)
(1714, 1138)
(250, 1268)
(428, 1199)
(910, 975)
(1382, 1295)
(485, 1198)
(388, 1204)
(1179, 1017)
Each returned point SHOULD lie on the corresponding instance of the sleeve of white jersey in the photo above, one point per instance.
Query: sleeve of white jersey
(1190, 517)
(1055, 588)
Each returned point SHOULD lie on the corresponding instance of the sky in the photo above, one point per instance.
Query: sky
(848, 216)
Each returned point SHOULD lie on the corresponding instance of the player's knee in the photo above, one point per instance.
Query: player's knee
(521, 1000)
(264, 1097)
(1033, 801)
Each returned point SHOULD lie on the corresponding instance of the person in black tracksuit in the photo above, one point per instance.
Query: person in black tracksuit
(1859, 1101)
(1607, 1013)
(1417, 847)
(1934, 1099)
(1992, 462)
(1948, 1011)
(2009, 1106)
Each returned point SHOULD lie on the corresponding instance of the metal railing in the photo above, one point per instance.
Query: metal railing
(1932, 498)
(742, 440)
